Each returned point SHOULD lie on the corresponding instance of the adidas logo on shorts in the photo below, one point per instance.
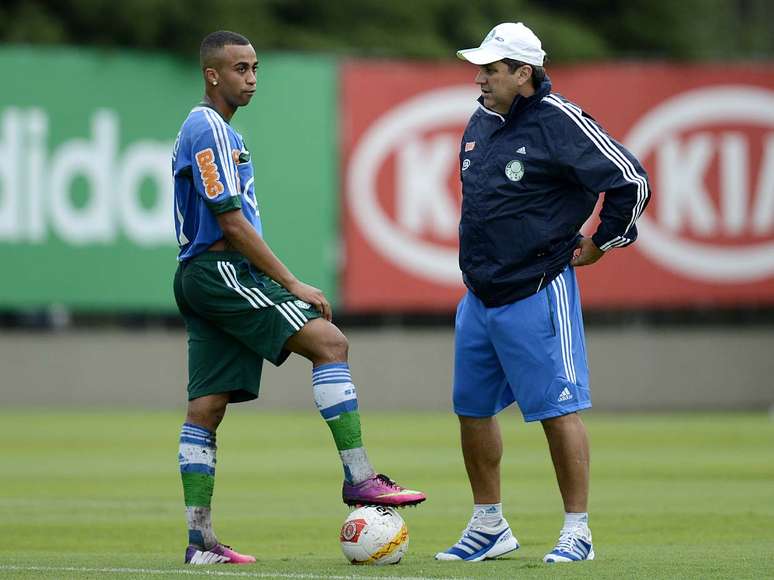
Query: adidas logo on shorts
(565, 395)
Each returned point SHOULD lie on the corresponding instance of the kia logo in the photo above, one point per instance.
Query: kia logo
(425, 156)
(704, 136)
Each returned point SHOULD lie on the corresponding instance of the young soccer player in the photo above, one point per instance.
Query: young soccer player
(241, 305)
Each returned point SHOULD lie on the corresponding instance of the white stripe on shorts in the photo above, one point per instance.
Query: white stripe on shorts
(255, 297)
(294, 315)
(565, 329)
(563, 287)
(258, 295)
(235, 287)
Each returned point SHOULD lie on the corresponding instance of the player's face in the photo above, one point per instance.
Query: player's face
(237, 74)
(499, 86)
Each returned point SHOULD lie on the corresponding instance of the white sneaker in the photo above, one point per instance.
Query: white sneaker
(574, 545)
(480, 542)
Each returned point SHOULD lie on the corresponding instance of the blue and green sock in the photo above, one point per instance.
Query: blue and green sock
(336, 399)
(197, 470)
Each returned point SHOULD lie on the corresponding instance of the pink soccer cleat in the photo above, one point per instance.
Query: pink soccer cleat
(380, 490)
(218, 554)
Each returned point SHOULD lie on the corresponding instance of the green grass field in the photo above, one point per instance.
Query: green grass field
(97, 495)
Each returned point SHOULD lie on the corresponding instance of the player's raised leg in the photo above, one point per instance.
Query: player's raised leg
(197, 470)
(336, 397)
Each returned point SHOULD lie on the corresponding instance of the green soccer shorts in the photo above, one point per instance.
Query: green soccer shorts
(236, 317)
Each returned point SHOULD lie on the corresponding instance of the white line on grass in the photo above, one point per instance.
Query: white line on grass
(195, 572)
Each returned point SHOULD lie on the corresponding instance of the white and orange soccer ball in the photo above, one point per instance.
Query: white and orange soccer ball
(374, 535)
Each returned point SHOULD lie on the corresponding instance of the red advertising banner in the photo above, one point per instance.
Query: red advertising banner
(705, 134)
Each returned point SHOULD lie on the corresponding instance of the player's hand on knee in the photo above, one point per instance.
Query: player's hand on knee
(587, 253)
(313, 296)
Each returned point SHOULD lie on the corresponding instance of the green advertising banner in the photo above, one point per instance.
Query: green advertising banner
(85, 178)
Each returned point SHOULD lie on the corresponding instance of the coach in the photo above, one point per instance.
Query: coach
(532, 167)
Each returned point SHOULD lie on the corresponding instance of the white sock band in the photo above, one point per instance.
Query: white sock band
(572, 520)
(488, 514)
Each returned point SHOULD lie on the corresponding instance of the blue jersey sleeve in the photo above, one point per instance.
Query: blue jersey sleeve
(599, 163)
(215, 173)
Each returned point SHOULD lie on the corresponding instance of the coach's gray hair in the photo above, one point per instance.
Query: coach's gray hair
(538, 72)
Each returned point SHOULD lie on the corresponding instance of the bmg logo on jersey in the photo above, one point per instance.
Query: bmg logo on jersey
(209, 172)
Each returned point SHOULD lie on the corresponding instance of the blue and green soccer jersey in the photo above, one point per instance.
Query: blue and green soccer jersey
(213, 174)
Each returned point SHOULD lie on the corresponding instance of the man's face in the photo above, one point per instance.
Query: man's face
(498, 85)
(237, 67)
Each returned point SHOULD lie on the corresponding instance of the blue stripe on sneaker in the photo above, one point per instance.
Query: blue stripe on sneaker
(471, 544)
(580, 551)
(463, 554)
(582, 548)
(464, 548)
(336, 410)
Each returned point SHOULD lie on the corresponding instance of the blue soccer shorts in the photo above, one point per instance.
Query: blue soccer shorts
(531, 351)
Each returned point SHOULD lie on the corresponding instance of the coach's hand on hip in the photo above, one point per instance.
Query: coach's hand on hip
(588, 254)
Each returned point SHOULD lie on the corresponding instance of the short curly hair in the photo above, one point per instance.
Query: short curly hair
(214, 41)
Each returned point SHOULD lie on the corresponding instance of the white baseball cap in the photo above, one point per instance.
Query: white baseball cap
(507, 40)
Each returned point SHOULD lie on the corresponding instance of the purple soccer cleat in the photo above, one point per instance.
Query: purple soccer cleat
(380, 490)
(218, 554)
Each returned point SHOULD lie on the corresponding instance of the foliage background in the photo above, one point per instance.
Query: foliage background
(573, 30)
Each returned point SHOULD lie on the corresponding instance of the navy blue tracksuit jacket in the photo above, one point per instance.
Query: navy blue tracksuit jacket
(530, 179)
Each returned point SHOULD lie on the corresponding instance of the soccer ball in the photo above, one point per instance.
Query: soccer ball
(374, 535)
